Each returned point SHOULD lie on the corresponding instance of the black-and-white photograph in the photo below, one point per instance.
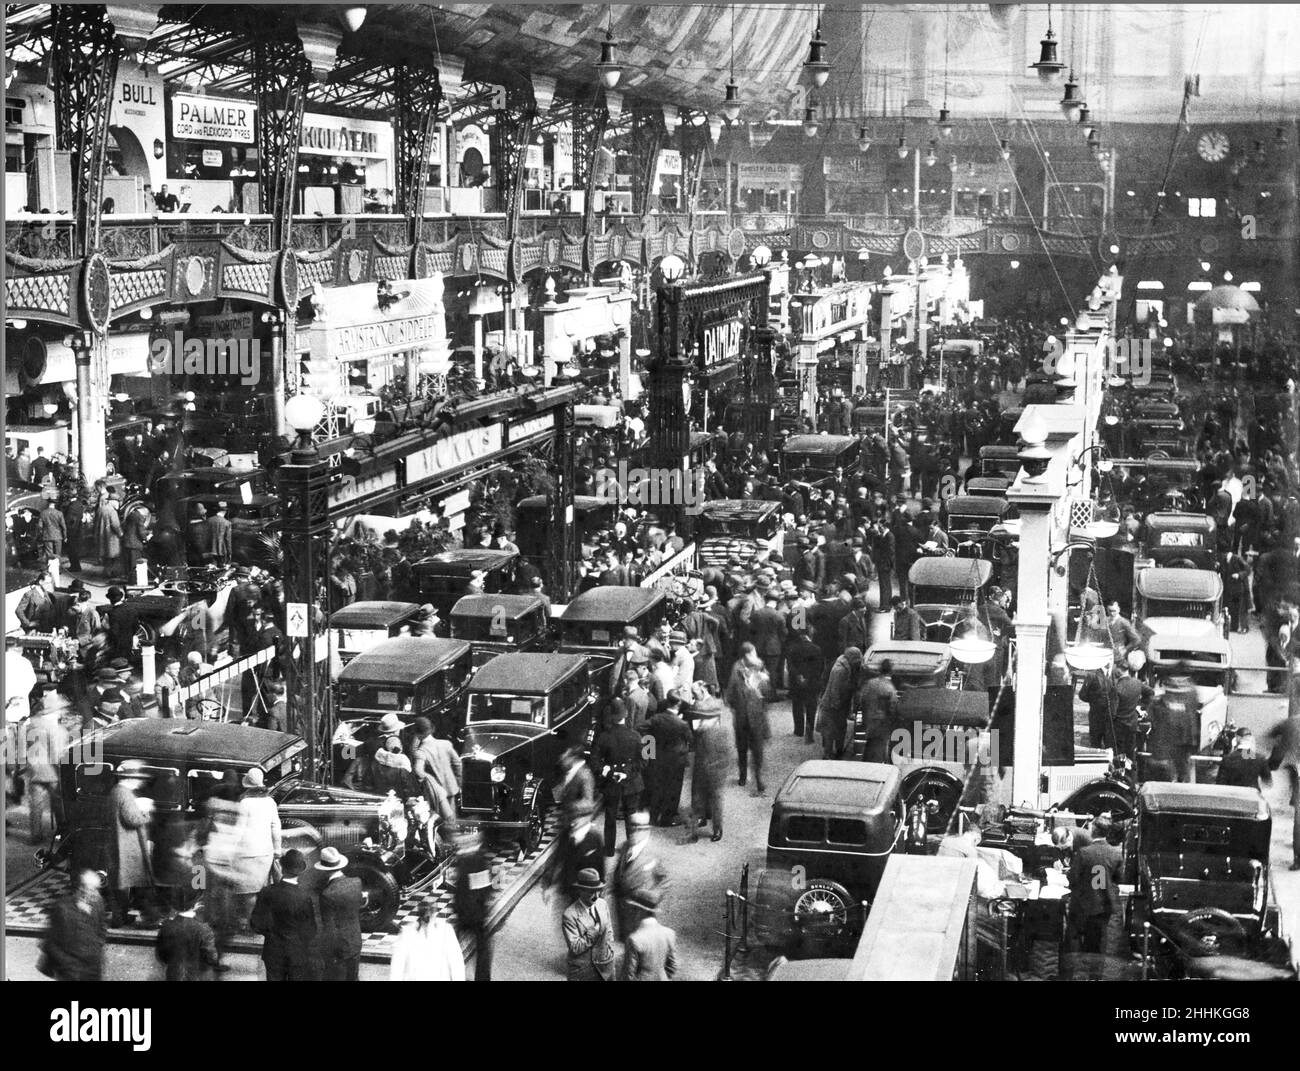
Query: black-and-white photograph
(654, 492)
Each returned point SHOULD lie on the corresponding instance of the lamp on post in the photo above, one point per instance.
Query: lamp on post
(304, 493)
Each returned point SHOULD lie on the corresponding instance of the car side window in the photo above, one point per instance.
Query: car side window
(806, 828)
(94, 779)
(846, 831)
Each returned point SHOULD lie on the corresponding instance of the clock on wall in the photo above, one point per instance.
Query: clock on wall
(1213, 146)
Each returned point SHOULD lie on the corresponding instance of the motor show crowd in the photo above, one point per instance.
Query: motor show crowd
(790, 624)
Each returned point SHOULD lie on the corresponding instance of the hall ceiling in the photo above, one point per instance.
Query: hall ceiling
(1132, 59)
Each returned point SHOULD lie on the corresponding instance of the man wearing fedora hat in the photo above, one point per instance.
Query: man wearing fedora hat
(338, 941)
(714, 751)
(286, 916)
(587, 930)
(651, 947)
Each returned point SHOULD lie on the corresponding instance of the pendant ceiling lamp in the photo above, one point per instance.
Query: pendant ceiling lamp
(1049, 67)
(731, 102)
(609, 69)
(1071, 103)
(864, 137)
(945, 116)
(810, 124)
(817, 69)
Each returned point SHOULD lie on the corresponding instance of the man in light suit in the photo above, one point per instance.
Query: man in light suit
(216, 537)
(338, 943)
(651, 954)
(437, 760)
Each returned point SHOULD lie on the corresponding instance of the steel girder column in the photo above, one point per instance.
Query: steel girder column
(562, 546)
(669, 398)
(83, 65)
(280, 77)
(647, 140)
(304, 494)
(512, 130)
(695, 147)
(589, 126)
(417, 96)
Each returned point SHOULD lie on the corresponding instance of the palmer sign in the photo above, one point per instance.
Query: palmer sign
(210, 119)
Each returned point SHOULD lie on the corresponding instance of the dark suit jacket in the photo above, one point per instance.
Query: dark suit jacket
(286, 916)
(588, 851)
(619, 748)
(187, 946)
(767, 631)
(1094, 874)
(217, 536)
(340, 919)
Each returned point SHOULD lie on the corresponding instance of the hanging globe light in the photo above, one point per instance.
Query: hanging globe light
(864, 138)
(972, 641)
(609, 68)
(945, 122)
(1049, 67)
(817, 69)
(810, 124)
(731, 102)
(902, 147)
(1071, 103)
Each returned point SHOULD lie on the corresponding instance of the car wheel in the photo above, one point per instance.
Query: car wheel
(1180, 563)
(145, 635)
(1215, 930)
(933, 785)
(532, 837)
(823, 908)
(381, 896)
(1098, 800)
(772, 909)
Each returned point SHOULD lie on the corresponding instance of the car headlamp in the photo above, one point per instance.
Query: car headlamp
(498, 774)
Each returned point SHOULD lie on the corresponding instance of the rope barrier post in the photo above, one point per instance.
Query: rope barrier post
(148, 667)
(728, 917)
(744, 910)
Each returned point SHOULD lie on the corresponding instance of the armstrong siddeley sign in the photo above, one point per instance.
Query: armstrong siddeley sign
(453, 452)
(348, 324)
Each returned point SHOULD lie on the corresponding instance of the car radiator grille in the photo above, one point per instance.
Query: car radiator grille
(476, 785)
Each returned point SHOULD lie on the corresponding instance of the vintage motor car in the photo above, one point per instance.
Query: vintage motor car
(1179, 541)
(395, 849)
(999, 459)
(593, 621)
(942, 589)
(501, 624)
(811, 460)
(1179, 615)
(1198, 856)
(444, 578)
(988, 486)
(916, 663)
(834, 824)
(592, 514)
(524, 711)
(730, 527)
(410, 676)
(970, 523)
(358, 626)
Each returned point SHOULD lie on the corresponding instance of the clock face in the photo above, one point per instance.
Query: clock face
(1213, 146)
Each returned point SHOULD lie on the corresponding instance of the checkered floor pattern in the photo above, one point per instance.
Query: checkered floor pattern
(28, 904)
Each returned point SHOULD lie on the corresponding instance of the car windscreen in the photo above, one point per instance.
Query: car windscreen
(1177, 608)
(373, 697)
(1181, 539)
(490, 706)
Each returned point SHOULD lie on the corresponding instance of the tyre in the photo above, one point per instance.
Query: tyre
(532, 835)
(1214, 930)
(932, 785)
(823, 909)
(381, 895)
(771, 909)
(1101, 799)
